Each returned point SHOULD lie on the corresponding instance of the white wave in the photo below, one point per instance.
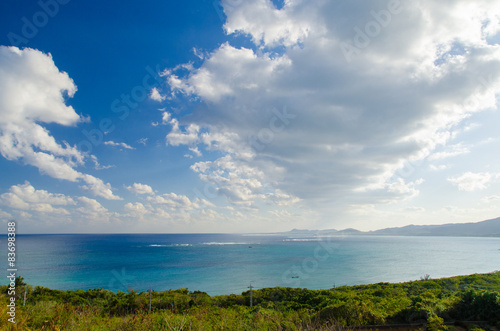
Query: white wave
(225, 243)
(172, 245)
(302, 239)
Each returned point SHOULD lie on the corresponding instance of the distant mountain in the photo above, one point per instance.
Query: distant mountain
(489, 228)
(350, 231)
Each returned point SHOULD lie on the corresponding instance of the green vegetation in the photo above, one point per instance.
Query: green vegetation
(440, 304)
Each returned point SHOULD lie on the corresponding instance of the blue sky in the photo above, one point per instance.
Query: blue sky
(247, 116)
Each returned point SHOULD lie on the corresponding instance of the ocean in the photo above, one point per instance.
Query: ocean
(228, 263)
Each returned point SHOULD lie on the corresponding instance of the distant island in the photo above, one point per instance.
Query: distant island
(488, 228)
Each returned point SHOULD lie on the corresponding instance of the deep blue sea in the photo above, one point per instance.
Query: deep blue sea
(227, 263)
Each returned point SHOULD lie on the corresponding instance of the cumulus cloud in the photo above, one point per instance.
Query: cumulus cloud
(136, 208)
(156, 96)
(235, 177)
(139, 188)
(267, 25)
(33, 92)
(195, 151)
(227, 142)
(26, 197)
(357, 118)
(170, 207)
(242, 183)
(217, 79)
(98, 187)
(46, 209)
(174, 202)
(471, 181)
(91, 206)
(177, 137)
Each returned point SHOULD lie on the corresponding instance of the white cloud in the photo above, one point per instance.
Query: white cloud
(156, 96)
(98, 187)
(470, 181)
(176, 137)
(267, 25)
(228, 142)
(171, 208)
(52, 211)
(198, 53)
(174, 202)
(143, 141)
(195, 151)
(281, 198)
(228, 71)
(235, 179)
(112, 143)
(400, 187)
(391, 191)
(97, 165)
(28, 193)
(399, 98)
(139, 188)
(26, 197)
(234, 176)
(438, 167)
(91, 206)
(451, 151)
(33, 92)
(4, 215)
(136, 209)
(165, 117)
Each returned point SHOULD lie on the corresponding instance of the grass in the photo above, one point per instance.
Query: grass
(434, 303)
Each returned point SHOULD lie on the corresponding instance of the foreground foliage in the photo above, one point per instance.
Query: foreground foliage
(432, 302)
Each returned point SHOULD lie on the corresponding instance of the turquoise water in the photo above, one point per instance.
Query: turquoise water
(223, 264)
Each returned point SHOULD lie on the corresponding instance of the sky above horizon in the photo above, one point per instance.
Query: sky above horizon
(248, 116)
